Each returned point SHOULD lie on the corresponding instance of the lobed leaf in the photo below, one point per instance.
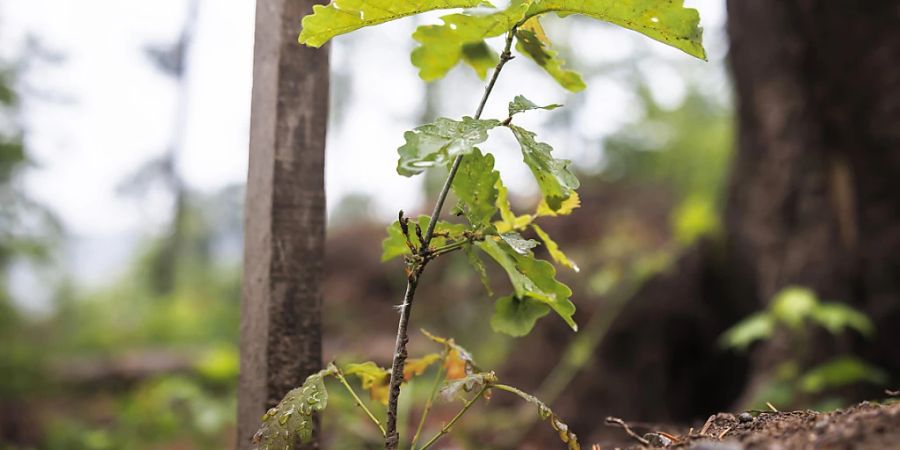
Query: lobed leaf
(521, 104)
(666, 21)
(439, 142)
(373, 378)
(532, 41)
(517, 316)
(475, 187)
(521, 245)
(555, 180)
(532, 278)
(553, 249)
(417, 366)
(453, 388)
(343, 16)
(477, 264)
(442, 46)
(292, 418)
(480, 57)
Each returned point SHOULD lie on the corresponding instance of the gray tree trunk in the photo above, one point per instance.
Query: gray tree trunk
(281, 337)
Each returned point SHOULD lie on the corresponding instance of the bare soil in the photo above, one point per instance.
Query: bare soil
(866, 426)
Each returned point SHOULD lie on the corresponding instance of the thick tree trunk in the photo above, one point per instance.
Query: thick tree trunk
(815, 193)
(281, 341)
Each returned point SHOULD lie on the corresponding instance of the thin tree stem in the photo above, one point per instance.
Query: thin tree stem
(392, 438)
(438, 377)
(446, 428)
(359, 402)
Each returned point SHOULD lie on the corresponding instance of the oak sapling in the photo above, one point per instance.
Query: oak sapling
(491, 228)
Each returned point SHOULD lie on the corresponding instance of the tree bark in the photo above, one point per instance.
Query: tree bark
(281, 337)
(815, 188)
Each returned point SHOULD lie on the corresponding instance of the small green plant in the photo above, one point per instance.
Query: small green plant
(792, 311)
(492, 229)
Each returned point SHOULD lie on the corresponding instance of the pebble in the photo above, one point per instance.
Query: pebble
(745, 417)
(657, 440)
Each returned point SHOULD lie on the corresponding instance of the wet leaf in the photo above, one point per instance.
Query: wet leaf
(373, 378)
(344, 16)
(477, 264)
(532, 278)
(533, 42)
(437, 143)
(553, 249)
(475, 187)
(521, 245)
(454, 388)
(521, 104)
(292, 418)
(666, 21)
(516, 316)
(556, 181)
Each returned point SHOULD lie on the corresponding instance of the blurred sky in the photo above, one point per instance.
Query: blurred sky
(97, 115)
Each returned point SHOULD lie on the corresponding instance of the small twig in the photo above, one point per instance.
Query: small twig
(722, 434)
(359, 402)
(707, 425)
(772, 407)
(621, 423)
(446, 428)
(891, 393)
(438, 377)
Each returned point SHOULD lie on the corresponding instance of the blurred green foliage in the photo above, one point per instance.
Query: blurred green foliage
(793, 311)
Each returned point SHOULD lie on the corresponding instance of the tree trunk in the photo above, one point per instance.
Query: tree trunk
(281, 339)
(815, 188)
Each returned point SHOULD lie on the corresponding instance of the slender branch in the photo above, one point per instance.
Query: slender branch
(392, 438)
(438, 377)
(359, 402)
(446, 428)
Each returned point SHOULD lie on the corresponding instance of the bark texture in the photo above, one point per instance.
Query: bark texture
(815, 194)
(281, 336)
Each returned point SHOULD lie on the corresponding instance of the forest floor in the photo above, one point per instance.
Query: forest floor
(866, 426)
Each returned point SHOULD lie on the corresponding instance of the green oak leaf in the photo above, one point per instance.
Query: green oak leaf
(475, 187)
(516, 316)
(532, 41)
(477, 264)
(441, 46)
(292, 418)
(344, 16)
(555, 180)
(480, 57)
(532, 278)
(521, 104)
(521, 245)
(666, 21)
(553, 249)
(439, 142)
(394, 244)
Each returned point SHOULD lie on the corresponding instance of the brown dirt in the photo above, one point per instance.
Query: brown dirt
(866, 426)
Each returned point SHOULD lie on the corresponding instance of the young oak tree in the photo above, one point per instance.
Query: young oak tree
(492, 230)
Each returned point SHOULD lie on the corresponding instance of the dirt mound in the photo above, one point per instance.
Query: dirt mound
(867, 426)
